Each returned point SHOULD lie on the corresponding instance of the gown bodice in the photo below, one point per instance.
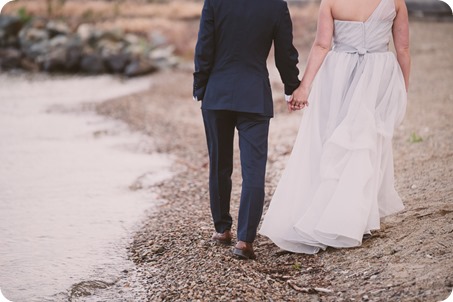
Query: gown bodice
(370, 36)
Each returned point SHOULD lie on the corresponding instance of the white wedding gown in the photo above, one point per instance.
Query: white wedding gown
(339, 182)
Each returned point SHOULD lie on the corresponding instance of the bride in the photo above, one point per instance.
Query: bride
(339, 180)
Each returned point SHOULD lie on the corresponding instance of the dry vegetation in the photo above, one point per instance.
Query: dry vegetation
(78, 9)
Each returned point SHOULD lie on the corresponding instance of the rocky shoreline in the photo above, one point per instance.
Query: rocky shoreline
(42, 44)
(409, 259)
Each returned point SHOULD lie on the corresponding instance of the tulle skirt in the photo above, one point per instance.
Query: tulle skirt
(339, 179)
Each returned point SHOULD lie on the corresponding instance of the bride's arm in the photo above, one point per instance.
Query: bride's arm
(318, 52)
(401, 39)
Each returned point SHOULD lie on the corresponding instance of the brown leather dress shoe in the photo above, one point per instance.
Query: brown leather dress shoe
(222, 238)
(244, 250)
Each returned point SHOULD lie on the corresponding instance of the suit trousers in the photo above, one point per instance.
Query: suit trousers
(253, 130)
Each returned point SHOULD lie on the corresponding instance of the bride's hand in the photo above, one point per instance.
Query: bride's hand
(299, 98)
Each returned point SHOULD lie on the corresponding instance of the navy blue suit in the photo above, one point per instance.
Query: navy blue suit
(232, 80)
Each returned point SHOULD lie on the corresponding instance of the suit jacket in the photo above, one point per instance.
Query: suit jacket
(234, 41)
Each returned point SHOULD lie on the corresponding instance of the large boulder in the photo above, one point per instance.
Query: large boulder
(88, 33)
(163, 57)
(139, 67)
(10, 58)
(10, 25)
(117, 63)
(74, 51)
(9, 28)
(92, 64)
(64, 54)
(108, 47)
(56, 28)
(55, 60)
(36, 51)
(34, 39)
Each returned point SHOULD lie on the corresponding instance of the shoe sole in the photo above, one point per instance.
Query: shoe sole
(243, 256)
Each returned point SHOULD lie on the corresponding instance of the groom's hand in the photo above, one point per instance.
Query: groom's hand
(290, 106)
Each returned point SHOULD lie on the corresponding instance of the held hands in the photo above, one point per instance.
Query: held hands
(298, 100)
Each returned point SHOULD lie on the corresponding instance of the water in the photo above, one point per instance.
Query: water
(66, 210)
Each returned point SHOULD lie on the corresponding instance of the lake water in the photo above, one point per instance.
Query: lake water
(66, 210)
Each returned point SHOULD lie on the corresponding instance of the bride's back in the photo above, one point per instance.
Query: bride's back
(353, 10)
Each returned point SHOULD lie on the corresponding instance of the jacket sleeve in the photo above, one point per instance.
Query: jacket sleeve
(204, 51)
(286, 55)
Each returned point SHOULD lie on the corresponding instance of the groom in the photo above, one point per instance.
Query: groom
(231, 80)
